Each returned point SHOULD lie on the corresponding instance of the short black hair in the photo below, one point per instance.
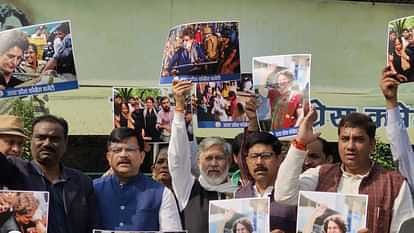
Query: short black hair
(264, 138)
(52, 119)
(33, 46)
(63, 27)
(164, 98)
(122, 133)
(358, 120)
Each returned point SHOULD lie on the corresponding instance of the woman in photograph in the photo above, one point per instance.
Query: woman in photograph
(242, 226)
(285, 100)
(124, 118)
(334, 224)
(399, 60)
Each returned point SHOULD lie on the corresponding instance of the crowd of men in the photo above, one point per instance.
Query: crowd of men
(176, 198)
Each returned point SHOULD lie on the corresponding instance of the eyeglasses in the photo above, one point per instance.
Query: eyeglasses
(263, 155)
(117, 149)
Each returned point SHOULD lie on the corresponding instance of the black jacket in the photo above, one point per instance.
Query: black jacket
(79, 198)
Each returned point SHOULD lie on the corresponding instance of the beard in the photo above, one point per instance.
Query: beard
(215, 180)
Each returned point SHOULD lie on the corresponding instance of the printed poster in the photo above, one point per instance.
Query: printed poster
(400, 47)
(320, 211)
(282, 90)
(223, 104)
(239, 215)
(23, 211)
(37, 59)
(202, 52)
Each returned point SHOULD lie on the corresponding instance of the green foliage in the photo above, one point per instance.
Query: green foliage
(125, 93)
(383, 156)
(143, 93)
(398, 26)
(24, 109)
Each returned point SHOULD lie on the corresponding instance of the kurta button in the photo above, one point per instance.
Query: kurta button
(121, 224)
(122, 207)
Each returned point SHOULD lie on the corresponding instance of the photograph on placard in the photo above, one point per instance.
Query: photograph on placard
(324, 212)
(239, 215)
(400, 47)
(222, 104)
(202, 52)
(281, 84)
(23, 211)
(37, 59)
(148, 110)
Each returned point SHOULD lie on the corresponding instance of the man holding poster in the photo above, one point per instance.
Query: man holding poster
(389, 198)
(214, 158)
(263, 160)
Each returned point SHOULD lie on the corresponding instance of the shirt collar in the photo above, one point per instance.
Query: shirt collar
(266, 193)
(349, 175)
(63, 177)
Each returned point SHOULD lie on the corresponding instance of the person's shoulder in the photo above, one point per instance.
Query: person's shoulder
(150, 183)
(76, 174)
(393, 175)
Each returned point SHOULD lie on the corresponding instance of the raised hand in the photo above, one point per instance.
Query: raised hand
(305, 133)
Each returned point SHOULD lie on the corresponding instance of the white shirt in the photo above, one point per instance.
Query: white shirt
(401, 149)
(179, 161)
(169, 217)
(290, 181)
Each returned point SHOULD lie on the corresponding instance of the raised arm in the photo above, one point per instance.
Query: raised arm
(397, 133)
(179, 152)
(289, 180)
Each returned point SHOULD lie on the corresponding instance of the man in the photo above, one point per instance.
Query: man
(401, 149)
(214, 157)
(185, 59)
(389, 198)
(164, 119)
(127, 199)
(263, 159)
(62, 61)
(72, 198)
(12, 45)
(12, 135)
(318, 152)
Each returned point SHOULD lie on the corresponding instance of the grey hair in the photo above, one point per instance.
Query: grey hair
(206, 143)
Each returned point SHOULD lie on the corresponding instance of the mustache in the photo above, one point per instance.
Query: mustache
(124, 161)
(260, 169)
(48, 148)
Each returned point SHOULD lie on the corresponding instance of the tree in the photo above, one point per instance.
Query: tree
(383, 156)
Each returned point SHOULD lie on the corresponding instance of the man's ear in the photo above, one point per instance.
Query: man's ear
(108, 158)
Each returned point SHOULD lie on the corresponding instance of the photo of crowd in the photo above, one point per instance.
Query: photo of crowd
(248, 215)
(400, 54)
(37, 56)
(23, 212)
(320, 212)
(149, 111)
(282, 91)
(219, 103)
(202, 49)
